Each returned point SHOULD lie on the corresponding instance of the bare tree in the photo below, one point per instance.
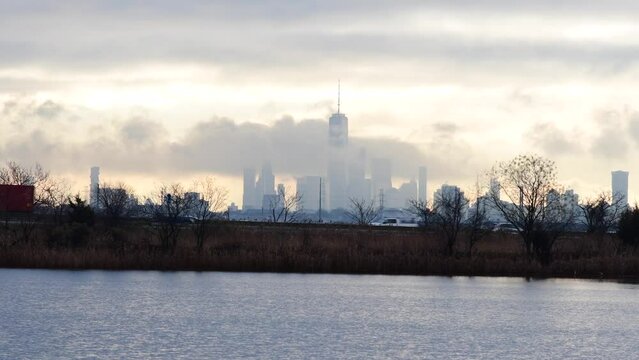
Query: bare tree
(602, 213)
(421, 209)
(168, 208)
(52, 197)
(476, 220)
(16, 174)
(115, 201)
(207, 209)
(448, 216)
(534, 205)
(285, 206)
(362, 211)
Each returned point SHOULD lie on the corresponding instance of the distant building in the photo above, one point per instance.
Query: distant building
(271, 202)
(249, 196)
(620, 186)
(336, 171)
(94, 187)
(358, 187)
(446, 192)
(407, 192)
(265, 185)
(310, 188)
(495, 189)
(381, 177)
(232, 208)
(423, 191)
(337, 184)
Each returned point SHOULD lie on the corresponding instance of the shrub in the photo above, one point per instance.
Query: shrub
(629, 227)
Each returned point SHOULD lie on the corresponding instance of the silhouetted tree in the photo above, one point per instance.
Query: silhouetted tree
(79, 211)
(16, 174)
(421, 209)
(476, 221)
(362, 212)
(208, 209)
(115, 202)
(49, 191)
(602, 213)
(50, 196)
(629, 227)
(168, 207)
(285, 206)
(448, 216)
(533, 206)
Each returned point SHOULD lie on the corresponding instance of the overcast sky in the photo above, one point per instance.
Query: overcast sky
(170, 90)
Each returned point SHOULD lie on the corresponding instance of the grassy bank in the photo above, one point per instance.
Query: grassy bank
(309, 248)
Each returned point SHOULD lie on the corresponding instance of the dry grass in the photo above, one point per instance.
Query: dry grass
(315, 249)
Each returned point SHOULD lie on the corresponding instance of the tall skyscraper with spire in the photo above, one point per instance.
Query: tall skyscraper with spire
(338, 142)
(338, 126)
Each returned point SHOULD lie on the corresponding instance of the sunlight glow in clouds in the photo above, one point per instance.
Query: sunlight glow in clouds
(463, 83)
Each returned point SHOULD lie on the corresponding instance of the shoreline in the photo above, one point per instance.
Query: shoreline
(622, 280)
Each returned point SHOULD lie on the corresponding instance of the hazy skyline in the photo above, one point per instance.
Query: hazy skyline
(170, 91)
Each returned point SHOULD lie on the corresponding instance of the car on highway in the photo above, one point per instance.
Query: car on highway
(506, 228)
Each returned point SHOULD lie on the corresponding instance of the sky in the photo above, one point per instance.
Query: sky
(166, 91)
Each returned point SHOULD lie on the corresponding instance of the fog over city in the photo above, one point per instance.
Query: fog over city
(153, 94)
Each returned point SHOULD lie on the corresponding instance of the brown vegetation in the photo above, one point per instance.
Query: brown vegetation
(308, 248)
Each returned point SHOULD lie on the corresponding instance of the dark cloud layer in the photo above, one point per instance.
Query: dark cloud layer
(296, 36)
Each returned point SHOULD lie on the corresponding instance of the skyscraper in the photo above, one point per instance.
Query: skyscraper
(446, 194)
(265, 184)
(423, 192)
(381, 178)
(495, 189)
(338, 126)
(407, 192)
(94, 187)
(336, 171)
(337, 194)
(249, 197)
(308, 187)
(620, 186)
(357, 186)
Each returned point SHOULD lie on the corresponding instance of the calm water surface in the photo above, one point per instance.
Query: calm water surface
(97, 314)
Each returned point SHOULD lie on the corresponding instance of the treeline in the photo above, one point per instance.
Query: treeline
(174, 229)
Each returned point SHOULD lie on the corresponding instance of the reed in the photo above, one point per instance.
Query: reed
(308, 248)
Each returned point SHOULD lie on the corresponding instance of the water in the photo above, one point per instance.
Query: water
(97, 314)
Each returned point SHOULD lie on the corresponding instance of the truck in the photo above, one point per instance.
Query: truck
(395, 222)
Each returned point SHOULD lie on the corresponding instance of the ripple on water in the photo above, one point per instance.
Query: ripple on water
(96, 314)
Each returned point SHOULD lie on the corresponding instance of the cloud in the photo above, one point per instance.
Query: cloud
(611, 140)
(142, 132)
(445, 128)
(138, 145)
(274, 38)
(633, 127)
(49, 110)
(552, 140)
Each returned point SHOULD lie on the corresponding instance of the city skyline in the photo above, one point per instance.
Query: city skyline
(460, 86)
(319, 179)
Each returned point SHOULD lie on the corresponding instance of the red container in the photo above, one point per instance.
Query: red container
(16, 198)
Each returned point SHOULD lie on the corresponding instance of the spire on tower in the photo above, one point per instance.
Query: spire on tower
(338, 95)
